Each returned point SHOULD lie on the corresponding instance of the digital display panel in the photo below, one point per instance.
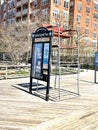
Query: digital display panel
(96, 59)
(46, 55)
(37, 60)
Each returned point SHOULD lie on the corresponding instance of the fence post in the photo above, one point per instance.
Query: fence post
(6, 72)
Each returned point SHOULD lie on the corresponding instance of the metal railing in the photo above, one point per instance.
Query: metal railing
(14, 71)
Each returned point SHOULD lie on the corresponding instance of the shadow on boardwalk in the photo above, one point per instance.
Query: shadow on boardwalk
(40, 91)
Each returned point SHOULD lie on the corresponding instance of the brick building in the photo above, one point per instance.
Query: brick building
(0, 9)
(84, 18)
(0, 13)
(81, 15)
(21, 10)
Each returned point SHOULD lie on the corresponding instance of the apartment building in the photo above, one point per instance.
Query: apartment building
(0, 12)
(81, 15)
(0, 9)
(84, 18)
(22, 10)
(13, 11)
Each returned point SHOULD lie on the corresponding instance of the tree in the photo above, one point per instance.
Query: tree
(14, 41)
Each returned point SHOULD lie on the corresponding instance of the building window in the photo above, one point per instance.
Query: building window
(66, 4)
(45, 12)
(88, 1)
(9, 14)
(18, 0)
(88, 9)
(14, 11)
(13, 20)
(10, 5)
(95, 16)
(78, 18)
(18, 19)
(5, 7)
(66, 15)
(9, 22)
(87, 20)
(65, 26)
(25, 7)
(45, 2)
(34, 14)
(86, 41)
(95, 25)
(71, 5)
(95, 6)
(94, 35)
(93, 44)
(14, 3)
(56, 13)
(35, 3)
(86, 31)
(24, 18)
(4, 24)
(18, 9)
(57, 2)
(4, 16)
(78, 29)
(79, 6)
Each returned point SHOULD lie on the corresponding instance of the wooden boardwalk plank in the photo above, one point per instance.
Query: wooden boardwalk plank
(21, 111)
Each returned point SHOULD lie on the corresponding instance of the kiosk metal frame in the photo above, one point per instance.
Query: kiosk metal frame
(40, 57)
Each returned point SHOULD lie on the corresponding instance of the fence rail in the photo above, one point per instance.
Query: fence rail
(14, 71)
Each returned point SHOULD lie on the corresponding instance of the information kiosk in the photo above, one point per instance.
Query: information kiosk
(40, 57)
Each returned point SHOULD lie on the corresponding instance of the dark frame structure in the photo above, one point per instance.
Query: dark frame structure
(60, 32)
(40, 57)
(95, 66)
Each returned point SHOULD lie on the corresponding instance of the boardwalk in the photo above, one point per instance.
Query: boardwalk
(21, 111)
